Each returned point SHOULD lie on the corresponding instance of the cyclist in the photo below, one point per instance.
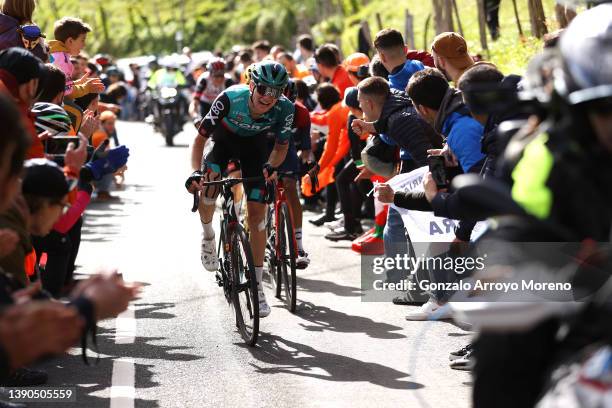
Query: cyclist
(209, 85)
(236, 128)
(299, 142)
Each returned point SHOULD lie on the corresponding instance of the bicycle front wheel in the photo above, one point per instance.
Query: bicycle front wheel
(287, 257)
(245, 295)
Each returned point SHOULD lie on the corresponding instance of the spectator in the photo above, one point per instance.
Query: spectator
(261, 50)
(336, 145)
(304, 49)
(451, 56)
(114, 94)
(295, 70)
(20, 71)
(303, 95)
(391, 112)
(106, 131)
(14, 15)
(377, 68)
(357, 66)
(328, 64)
(443, 107)
(70, 36)
(275, 51)
(44, 189)
(392, 51)
(492, 15)
(351, 194)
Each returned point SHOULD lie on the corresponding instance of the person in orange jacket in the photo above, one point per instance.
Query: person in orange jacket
(336, 146)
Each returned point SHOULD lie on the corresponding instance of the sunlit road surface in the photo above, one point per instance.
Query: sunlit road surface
(177, 345)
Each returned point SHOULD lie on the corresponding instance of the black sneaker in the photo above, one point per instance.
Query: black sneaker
(462, 352)
(465, 363)
(342, 236)
(321, 220)
(24, 377)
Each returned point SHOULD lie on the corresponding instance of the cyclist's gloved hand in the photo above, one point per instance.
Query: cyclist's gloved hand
(196, 176)
(113, 161)
(269, 172)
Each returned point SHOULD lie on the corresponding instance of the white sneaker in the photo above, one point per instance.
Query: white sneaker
(264, 308)
(430, 311)
(208, 255)
(302, 260)
(333, 225)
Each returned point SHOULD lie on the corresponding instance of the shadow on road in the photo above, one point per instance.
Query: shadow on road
(152, 310)
(299, 359)
(325, 286)
(70, 371)
(323, 318)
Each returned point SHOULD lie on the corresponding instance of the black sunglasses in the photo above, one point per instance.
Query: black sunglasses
(265, 90)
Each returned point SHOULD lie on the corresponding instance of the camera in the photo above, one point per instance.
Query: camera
(57, 145)
(438, 171)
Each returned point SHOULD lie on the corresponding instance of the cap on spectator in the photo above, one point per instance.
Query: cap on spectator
(356, 60)
(44, 178)
(21, 63)
(453, 47)
(350, 97)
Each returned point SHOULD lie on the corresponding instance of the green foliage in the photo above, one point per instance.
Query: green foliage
(136, 27)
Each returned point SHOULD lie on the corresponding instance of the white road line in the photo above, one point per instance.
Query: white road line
(125, 327)
(123, 391)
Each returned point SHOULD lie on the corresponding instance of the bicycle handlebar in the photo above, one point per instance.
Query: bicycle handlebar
(232, 181)
(235, 181)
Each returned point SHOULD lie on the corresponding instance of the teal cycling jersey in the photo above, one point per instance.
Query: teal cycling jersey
(231, 110)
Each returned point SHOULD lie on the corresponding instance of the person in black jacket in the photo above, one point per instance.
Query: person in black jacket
(391, 112)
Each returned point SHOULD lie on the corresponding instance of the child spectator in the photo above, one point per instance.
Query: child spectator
(44, 190)
(70, 37)
(106, 131)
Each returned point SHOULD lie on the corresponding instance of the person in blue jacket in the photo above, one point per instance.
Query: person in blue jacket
(442, 106)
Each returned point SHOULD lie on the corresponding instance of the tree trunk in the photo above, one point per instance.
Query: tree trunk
(482, 24)
(409, 30)
(443, 15)
(538, 19)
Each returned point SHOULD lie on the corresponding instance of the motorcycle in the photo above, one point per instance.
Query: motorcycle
(169, 112)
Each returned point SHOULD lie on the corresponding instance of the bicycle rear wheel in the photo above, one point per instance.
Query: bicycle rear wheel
(287, 256)
(270, 257)
(246, 299)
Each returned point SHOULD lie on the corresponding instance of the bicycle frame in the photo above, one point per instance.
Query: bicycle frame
(279, 198)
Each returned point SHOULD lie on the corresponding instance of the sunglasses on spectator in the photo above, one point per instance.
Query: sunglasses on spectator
(265, 90)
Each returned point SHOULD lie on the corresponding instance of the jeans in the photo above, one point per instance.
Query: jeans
(105, 183)
(395, 241)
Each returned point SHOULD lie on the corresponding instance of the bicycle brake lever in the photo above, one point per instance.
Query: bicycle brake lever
(196, 202)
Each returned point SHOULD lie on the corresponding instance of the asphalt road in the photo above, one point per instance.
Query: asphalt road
(177, 346)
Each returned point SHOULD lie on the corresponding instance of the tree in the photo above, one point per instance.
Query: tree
(443, 15)
(537, 17)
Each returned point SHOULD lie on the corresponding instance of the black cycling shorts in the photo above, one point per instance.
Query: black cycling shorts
(252, 153)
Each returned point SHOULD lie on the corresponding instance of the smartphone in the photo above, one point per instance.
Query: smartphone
(57, 145)
(438, 171)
